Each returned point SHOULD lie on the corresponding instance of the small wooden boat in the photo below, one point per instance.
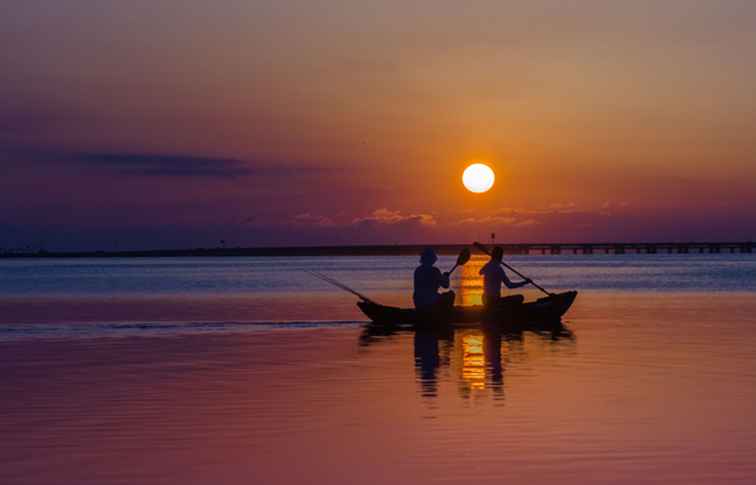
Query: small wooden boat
(511, 313)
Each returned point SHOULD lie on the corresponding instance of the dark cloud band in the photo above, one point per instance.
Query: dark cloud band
(157, 164)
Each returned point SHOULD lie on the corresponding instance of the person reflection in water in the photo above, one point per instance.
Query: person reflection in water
(427, 362)
(492, 353)
(428, 279)
(494, 276)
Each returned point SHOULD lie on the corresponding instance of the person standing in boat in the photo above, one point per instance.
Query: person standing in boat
(428, 280)
(494, 276)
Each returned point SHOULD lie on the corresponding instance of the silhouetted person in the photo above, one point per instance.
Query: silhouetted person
(428, 280)
(494, 276)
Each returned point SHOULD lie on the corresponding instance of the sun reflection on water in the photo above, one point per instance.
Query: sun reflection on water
(470, 289)
(473, 360)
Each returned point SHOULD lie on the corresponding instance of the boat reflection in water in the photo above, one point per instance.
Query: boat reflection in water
(477, 356)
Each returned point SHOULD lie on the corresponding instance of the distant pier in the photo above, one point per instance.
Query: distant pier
(412, 249)
(631, 248)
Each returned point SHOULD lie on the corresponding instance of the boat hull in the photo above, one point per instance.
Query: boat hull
(512, 312)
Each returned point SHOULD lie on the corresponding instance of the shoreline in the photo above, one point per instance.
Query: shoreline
(406, 250)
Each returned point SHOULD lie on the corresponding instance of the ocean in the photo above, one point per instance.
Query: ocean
(250, 370)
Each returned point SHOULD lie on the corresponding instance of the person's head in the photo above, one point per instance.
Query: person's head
(497, 254)
(428, 257)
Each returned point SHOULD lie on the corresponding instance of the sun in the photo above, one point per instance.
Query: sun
(478, 178)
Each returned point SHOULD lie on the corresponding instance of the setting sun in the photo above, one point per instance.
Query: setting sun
(478, 178)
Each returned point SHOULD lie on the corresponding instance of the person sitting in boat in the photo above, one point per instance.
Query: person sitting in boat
(494, 276)
(428, 279)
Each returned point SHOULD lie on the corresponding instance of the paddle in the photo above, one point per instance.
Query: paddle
(485, 250)
(464, 257)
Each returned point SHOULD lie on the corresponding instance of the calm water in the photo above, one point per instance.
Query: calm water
(250, 371)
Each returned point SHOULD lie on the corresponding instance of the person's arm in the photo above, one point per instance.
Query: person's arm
(443, 279)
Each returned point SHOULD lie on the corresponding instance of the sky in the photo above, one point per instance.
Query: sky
(174, 124)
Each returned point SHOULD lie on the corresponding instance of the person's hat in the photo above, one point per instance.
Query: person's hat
(428, 256)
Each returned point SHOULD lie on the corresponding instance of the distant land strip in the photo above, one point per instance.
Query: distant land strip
(406, 249)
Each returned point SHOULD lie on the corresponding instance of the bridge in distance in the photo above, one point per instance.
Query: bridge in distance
(389, 250)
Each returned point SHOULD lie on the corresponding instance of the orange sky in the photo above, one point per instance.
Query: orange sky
(286, 122)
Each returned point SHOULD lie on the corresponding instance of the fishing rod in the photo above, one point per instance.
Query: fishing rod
(341, 285)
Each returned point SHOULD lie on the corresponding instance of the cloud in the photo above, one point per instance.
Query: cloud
(563, 207)
(608, 208)
(556, 215)
(155, 164)
(388, 217)
(307, 219)
(531, 217)
(163, 165)
(508, 217)
(504, 221)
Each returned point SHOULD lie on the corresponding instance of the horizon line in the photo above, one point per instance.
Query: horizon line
(397, 249)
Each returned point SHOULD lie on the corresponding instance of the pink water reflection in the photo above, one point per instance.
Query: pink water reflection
(652, 389)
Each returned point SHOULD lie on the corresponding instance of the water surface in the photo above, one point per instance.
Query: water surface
(280, 289)
(248, 371)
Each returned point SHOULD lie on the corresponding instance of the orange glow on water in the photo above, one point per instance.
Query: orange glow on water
(470, 290)
(473, 360)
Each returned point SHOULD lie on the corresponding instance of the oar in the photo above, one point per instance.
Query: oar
(485, 250)
(341, 285)
(464, 257)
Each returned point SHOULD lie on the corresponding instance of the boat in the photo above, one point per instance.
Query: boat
(512, 313)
